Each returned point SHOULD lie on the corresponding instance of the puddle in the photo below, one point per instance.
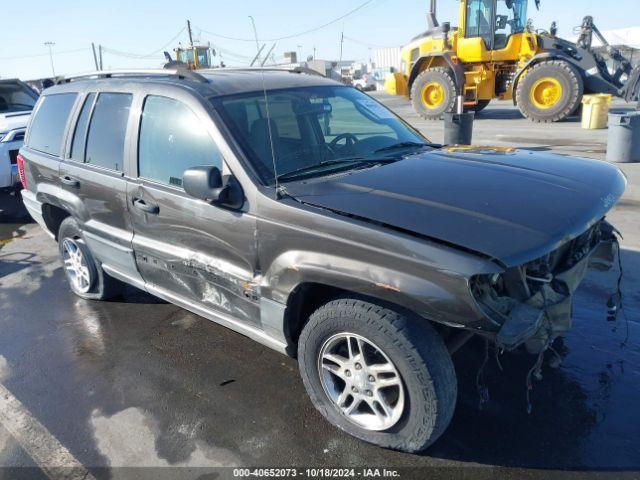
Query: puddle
(132, 438)
(10, 231)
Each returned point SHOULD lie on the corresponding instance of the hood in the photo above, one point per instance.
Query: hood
(12, 120)
(513, 206)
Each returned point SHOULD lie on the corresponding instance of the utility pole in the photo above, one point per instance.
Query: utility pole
(190, 33)
(314, 52)
(100, 56)
(50, 45)
(299, 53)
(341, 44)
(95, 58)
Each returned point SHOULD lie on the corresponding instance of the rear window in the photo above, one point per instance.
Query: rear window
(105, 142)
(49, 122)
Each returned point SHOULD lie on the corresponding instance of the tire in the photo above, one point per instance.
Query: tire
(434, 93)
(424, 373)
(100, 286)
(482, 104)
(564, 85)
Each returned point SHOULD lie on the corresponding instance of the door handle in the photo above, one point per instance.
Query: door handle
(68, 180)
(141, 204)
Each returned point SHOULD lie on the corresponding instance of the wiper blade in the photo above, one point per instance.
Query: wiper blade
(397, 146)
(347, 162)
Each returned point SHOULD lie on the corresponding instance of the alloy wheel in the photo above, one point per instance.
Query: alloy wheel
(361, 381)
(76, 267)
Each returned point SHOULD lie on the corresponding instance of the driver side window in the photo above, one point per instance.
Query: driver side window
(345, 119)
(479, 17)
(172, 139)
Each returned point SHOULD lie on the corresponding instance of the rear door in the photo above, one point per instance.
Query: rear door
(45, 143)
(189, 251)
(93, 175)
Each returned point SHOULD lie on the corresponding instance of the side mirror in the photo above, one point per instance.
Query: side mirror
(206, 183)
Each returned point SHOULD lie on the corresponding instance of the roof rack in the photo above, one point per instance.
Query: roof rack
(175, 73)
(299, 70)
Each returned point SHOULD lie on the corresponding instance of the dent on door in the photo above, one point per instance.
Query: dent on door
(199, 252)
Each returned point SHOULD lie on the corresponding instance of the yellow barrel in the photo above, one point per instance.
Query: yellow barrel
(595, 111)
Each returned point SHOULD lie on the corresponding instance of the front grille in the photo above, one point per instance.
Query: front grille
(13, 156)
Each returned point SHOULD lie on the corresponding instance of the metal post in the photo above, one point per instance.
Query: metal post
(255, 59)
(50, 45)
(266, 57)
(100, 56)
(95, 58)
(190, 34)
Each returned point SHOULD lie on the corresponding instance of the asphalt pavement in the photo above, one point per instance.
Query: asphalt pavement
(101, 389)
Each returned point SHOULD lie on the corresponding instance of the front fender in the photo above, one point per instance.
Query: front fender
(445, 299)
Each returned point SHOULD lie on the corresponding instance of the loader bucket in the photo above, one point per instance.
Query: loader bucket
(396, 84)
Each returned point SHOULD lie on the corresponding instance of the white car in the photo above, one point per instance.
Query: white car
(16, 103)
(365, 83)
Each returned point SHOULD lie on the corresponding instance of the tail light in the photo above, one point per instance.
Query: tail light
(23, 179)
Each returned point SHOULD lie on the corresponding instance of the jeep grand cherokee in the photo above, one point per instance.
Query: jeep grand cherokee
(305, 215)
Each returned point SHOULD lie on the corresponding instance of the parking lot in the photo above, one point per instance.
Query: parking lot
(138, 382)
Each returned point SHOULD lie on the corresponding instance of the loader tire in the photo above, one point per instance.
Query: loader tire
(434, 93)
(550, 91)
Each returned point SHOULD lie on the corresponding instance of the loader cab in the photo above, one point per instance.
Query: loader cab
(490, 26)
(195, 57)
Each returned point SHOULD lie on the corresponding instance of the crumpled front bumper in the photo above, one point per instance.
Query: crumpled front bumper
(539, 310)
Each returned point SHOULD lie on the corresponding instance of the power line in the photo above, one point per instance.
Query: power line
(299, 34)
(35, 55)
(366, 44)
(122, 53)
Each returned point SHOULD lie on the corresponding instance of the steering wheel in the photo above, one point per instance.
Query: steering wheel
(350, 141)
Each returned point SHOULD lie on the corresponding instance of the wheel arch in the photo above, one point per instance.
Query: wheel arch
(437, 60)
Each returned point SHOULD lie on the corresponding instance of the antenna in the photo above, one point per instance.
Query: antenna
(267, 111)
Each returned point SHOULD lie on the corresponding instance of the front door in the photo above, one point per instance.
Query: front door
(187, 250)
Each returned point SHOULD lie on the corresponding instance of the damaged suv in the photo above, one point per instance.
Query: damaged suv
(302, 213)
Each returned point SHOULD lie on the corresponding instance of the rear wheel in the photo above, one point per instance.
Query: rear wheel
(550, 91)
(434, 93)
(85, 276)
(383, 377)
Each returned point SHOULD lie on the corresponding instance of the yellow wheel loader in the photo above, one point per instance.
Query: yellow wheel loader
(495, 53)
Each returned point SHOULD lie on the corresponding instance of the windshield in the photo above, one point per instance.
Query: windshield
(326, 127)
(16, 97)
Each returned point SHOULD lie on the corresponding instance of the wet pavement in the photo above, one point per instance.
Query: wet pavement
(139, 382)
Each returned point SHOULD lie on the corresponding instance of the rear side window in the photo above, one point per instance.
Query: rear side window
(49, 122)
(80, 134)
(105, 141)
(168, 148)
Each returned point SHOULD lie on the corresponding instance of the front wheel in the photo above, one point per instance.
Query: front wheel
(383, 377)
(434, 93)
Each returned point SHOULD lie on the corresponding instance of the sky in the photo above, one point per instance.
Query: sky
(135, 32)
